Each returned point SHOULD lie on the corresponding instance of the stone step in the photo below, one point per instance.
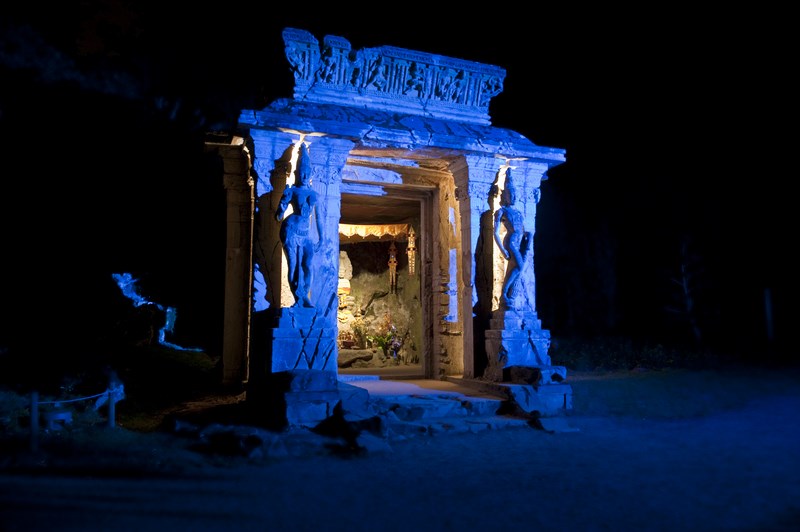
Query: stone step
(397, 429)
(414, 407)
(419, 407)
(410, 401)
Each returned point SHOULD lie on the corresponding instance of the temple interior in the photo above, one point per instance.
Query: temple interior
(380, 314)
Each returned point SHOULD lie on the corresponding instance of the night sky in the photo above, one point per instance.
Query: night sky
(675, 124)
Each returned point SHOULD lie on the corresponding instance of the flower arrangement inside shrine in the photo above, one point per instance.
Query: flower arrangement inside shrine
(379, 309)
(389, 341)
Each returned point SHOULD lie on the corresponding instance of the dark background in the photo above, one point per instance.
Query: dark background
(676, 126)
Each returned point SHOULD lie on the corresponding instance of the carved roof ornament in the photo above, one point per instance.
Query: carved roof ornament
(391, 79)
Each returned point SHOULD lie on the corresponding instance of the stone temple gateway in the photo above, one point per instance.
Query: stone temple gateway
(392, 143)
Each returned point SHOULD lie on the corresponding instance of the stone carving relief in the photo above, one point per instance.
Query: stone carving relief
(398, 79)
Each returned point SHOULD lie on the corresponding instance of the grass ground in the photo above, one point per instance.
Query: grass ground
(160, 382)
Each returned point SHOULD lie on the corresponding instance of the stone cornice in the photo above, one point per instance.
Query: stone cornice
(396, 133)
(391, 79)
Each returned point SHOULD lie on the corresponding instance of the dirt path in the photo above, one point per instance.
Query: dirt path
(651, 451)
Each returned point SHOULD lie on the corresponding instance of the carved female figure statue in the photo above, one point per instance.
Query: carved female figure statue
(518, 242)
(295, 229)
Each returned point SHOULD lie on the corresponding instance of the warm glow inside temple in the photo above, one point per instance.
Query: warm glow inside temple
(379, 305)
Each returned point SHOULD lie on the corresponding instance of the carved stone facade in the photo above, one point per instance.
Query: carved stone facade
(388, 122)
(388, 77)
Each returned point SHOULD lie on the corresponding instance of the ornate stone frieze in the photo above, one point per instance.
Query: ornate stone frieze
(391, 79)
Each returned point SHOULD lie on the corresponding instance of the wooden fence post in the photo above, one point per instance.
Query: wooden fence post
(34, 421)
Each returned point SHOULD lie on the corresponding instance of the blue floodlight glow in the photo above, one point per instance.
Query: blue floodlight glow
(127, 283)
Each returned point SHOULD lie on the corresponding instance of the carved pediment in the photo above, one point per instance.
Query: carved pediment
(391, 79)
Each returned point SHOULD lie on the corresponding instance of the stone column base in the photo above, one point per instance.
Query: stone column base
(297, 398)
(516, 339)
(550, 400)
(535, 376)
(301, 341)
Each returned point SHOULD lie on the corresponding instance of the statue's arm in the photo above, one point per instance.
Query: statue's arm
(320, 224)
(498, 216)
(285, 199)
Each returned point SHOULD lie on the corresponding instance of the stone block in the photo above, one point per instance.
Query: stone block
(309, 380)
(309, 409)
(355, 401)
(296, 397)
(312, 349)
(519, 347)
(547, 400)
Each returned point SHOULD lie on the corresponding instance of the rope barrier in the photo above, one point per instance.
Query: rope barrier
(111, 396)
(72, 400)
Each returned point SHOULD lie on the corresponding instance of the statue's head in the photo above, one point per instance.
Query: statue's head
(509, 195)
(303, 170)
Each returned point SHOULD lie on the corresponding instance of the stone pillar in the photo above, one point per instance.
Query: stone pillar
(297, 374)
(305, 338)
(273, 168)
(516, 344)
(474, 177)
(328, 158)
(447, 284)
(528, 180)
(239, 196)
